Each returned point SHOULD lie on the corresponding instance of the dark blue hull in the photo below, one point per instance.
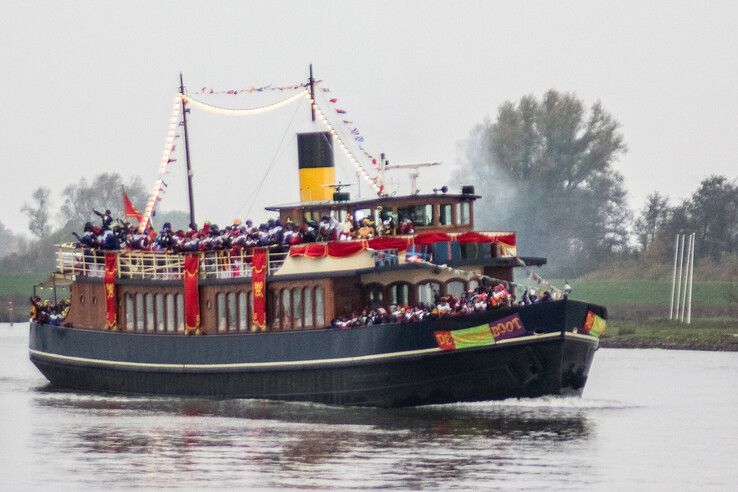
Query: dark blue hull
(381, 365)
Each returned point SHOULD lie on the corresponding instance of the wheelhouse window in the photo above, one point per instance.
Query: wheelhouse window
(286, 310)
(444, 214)
(420, 215)
(232, 311)
(463, 213)
(149, 308)
(296, 308)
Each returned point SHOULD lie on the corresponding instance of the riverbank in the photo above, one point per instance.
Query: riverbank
(707, 334)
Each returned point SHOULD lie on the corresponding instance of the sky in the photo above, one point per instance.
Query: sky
(87, 87)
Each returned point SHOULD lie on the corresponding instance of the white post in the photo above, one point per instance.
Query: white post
(691, 280)
(686, 275)
(679, 276)
(673, 277)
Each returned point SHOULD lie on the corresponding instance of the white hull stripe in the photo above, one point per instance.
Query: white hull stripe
(310, 362)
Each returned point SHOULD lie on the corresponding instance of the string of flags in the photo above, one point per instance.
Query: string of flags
(251, 89)
(358, 138)
(166, 159)
(532, 275)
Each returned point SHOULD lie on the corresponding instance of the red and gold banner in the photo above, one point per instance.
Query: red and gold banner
(191, 293)
(111, 303)
(258, 282)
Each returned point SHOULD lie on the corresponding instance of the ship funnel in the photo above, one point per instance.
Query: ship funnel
(315, 162)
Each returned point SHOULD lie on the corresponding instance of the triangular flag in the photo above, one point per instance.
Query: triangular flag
(129, 209)
(333, 99)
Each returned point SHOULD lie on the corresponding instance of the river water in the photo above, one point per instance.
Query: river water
(649, 419)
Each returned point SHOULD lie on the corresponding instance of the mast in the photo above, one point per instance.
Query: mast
(311, 82)
(187, 149)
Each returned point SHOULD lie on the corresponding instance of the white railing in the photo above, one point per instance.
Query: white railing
(86, 262)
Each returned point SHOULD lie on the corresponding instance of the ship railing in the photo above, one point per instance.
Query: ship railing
(155, 265)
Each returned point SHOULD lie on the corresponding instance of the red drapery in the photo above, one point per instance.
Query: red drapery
(191, 292)
(428, 238)
(507, 239)
(398, 243)
(475, 237)
(111, 304)
(338, 249)
(258, 282)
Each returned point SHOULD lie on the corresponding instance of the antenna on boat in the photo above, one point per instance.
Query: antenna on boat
(413, 174)
(187, 149)
(311, 82)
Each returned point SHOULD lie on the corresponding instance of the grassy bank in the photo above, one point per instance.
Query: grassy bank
(716, 334)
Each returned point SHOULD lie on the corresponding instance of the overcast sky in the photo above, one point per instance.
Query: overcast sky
(86, 87)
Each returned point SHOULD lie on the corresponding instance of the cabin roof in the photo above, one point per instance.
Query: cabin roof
(378, 200)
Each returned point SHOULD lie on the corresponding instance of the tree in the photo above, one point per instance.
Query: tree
(38, 213)
(546, 168)
(104, 192)
(653, 216)
(713, 213)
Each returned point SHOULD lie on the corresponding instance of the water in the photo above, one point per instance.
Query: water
(649, 419)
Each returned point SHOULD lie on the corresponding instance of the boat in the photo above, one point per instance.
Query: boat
(274, 321)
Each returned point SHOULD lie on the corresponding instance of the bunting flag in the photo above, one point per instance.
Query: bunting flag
(129, 210)
(250, 90)
(594, 325)
(111, 303)
(340, 111)
(258, 283)
(192, 293)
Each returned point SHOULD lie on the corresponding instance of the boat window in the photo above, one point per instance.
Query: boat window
(159, 302)
(180, 312)
(399, 294)
(171, 320)
(307, 313)
(276, 308)
(139, 312)
(243, 314)
(375, 296)
(455, 288)
(286, 310)
(232, 312)
(473, 284)
(250, 311)
(319, 308)
(220, 309)
(130, 315)
(444, 214)
(297, 307)
(428, 291)
(463, 215)
(361, 214)
(149, 309)
(420, 215)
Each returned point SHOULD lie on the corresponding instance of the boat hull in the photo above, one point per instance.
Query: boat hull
(385, 366)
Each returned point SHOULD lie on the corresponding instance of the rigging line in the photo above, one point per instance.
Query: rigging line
(277, 154)
(243, 111)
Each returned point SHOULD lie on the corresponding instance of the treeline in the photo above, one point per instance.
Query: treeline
(547, 169)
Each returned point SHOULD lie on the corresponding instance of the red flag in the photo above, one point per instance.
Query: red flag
(333, 99)
(129, 209)
(340, 111)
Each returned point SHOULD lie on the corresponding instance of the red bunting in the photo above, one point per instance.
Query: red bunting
(337, 249)
(191, 292)
(398, 243)
(475, 237)
(111, 304)
(428, 238)
(258, 282)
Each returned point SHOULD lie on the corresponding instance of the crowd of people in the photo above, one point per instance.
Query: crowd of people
(119, 234)
(481, 299)
(47, 312)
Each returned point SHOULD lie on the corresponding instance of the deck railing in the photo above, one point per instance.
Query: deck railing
(86, 262)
